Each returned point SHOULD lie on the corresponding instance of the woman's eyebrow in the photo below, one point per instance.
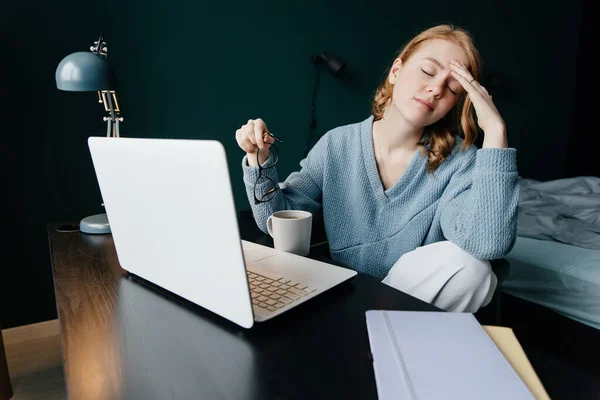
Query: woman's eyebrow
(436, 62)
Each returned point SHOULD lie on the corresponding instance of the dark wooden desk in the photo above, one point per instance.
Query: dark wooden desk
(5, 386)
(125, 340)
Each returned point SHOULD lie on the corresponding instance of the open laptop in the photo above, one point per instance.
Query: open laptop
(173, 219)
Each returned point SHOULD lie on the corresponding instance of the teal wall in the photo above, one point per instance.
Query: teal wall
(200, 70)
(44, 167)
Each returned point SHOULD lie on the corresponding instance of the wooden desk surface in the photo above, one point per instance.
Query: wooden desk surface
(125, 340)
(5, 385)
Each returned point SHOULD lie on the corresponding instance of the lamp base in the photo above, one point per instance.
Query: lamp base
(95, 224)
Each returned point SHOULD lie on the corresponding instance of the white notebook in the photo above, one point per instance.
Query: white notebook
(438, 355)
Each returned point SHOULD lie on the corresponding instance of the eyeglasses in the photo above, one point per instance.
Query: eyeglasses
(264, 183)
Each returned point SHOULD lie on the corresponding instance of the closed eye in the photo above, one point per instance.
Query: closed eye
(427, 73)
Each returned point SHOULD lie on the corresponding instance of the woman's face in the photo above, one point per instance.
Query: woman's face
(424, 89)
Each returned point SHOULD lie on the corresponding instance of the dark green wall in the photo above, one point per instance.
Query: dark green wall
(200, 70)
(44, 165)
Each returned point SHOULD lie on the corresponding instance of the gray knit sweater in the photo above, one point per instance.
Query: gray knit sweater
(470, 200)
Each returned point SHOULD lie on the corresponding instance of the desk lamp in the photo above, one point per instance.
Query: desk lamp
(88, 71)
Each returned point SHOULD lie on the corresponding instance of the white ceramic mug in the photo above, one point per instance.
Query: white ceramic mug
(291, 231)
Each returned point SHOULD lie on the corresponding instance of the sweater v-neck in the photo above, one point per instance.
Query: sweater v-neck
(368, 152)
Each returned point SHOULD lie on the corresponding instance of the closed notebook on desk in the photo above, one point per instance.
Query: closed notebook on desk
(438, 355)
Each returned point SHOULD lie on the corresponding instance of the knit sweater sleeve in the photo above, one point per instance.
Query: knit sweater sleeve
(302, 190)
(480, 214)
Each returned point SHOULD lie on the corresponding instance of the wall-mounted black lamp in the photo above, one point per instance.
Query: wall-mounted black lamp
(334, 65)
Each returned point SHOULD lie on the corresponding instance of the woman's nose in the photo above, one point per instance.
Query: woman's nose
(435, 89)
(437, 86)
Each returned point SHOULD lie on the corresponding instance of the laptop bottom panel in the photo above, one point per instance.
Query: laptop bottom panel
(280, 281)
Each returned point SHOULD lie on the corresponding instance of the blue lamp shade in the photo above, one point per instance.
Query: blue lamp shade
(85, 71)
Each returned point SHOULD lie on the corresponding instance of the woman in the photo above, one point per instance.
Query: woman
(403, 196)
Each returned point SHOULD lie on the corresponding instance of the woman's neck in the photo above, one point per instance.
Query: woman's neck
(394, 133)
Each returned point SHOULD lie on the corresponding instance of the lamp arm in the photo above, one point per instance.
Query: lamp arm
(111, 119)
(117, 133)
(313, 106)
(111, 105)
(118, 118)
(108, 126)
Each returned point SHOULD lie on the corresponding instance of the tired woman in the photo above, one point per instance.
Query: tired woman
(405, 194)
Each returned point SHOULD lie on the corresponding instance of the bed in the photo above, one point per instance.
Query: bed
(556, 259)
(559, 276)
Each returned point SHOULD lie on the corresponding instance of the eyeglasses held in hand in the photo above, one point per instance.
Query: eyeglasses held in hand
(263, 183)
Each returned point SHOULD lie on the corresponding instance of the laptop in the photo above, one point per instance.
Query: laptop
(174, 223)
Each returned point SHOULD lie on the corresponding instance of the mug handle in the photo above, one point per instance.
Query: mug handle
(270, 225)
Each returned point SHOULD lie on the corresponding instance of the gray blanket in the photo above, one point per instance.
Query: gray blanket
(564, 210)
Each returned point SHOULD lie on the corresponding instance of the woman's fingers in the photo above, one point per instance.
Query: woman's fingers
(488, 117)
(459, 70)
(245, 138)
(260, 130)
(248, 146)
(253, 136)
(462, 80)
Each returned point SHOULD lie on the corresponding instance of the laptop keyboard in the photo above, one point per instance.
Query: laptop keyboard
(272, 293)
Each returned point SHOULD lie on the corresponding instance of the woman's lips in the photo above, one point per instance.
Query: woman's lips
(425, 103)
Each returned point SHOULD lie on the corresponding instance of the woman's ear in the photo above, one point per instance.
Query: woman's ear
(396, 66)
